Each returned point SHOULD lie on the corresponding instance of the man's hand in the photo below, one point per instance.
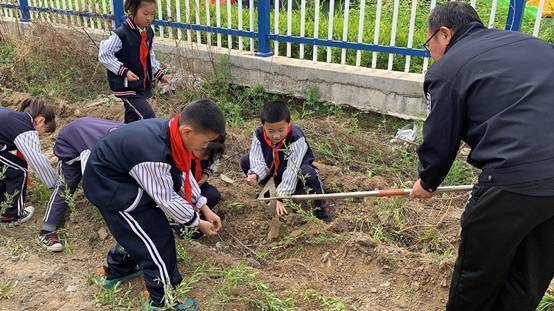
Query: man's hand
(212, 218)
(131, 76)
(419, 192)
(280, 208)
(207, 228)
(252, 179)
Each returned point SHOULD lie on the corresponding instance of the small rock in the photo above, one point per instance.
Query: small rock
(72, 288)
(386, 284)
(366, 242)
(102, 233)
(227, 179)
(220, 245)
(415, 285)
(325, 257)
(444, 284)
(373, 290)
(253, 263)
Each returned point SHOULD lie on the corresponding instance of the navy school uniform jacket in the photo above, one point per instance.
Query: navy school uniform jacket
(80, 136)
(121, 53)
(299, 153)
(18, 133)
(495, 91)
(132, 168)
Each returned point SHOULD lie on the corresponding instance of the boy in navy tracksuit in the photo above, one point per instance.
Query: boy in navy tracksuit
(140, 173)
(72, 147)
(279, 150)
(19, 132)
(128, 55)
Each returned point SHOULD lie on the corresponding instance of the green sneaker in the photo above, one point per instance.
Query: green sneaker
(111, 282)
(187, 305)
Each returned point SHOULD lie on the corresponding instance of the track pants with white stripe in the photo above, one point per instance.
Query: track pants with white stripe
(146, 236)
(13, 184)
(57, 205)
(137, 108)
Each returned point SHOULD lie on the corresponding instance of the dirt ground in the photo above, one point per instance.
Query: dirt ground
(343, 265)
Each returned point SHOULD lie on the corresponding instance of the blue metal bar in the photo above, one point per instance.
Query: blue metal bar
(25, 14)
(515, 15)
(264, 49)
(9, 6)
(69, 12)
(118, 12)
(226, 31)
(351, 45)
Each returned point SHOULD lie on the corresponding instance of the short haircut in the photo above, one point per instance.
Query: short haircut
(454, 14)
(204, 116)
(131, 6)
(274, 111)
(37, 107)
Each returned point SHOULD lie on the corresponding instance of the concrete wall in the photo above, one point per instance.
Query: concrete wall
(394, 93)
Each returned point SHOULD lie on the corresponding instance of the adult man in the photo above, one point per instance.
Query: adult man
(495, 91)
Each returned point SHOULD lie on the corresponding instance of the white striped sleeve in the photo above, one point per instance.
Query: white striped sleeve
(106, 54)
(296, 152)
(197, 198)
(156, 68)
(28, 143)
(155, 178)
(257, 161)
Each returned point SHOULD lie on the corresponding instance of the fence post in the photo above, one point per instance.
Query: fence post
(118, 12)
(25, 14)
(515, 15)
(263, 29)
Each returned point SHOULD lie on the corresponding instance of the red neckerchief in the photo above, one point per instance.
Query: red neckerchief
(197, 168)
(20, 155)
(181, 155)
(143, 52)
(276, 148)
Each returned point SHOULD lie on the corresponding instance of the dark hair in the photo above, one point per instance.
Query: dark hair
(215, 149)
(131, 6)
(274, 111)
(36, 107)
(453, 15)
(204, 116)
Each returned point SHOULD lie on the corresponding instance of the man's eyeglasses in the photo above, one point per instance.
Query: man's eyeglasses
(426, 44)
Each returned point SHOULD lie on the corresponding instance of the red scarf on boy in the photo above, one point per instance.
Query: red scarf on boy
(276, 148)
(181, 155)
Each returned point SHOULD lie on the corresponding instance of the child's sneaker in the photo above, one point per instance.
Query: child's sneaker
(50, 241)
(187, 305)
(323, 212)
(13, 221)
(110, 281)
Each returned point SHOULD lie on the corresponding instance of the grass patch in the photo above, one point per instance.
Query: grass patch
(547, 303)
(326, 303)
(6, 290)
(241, 284)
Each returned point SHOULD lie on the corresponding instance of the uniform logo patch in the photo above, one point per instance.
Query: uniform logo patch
(428, 104)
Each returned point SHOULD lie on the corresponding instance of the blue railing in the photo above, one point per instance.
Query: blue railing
(263, 36)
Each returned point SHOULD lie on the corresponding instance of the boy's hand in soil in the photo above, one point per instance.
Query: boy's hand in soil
(165, 79)
(212, 218)
(252, 179)
(280, 208)
(131, 76)
(419, 192)
(203, 179)
(207, 228)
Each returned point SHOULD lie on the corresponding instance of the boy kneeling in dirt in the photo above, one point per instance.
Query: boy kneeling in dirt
(279, 150)
(72, 147)
(138, 174)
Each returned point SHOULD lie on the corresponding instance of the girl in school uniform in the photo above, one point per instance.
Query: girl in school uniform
(19, 134)
(128, 55)
(73, 145)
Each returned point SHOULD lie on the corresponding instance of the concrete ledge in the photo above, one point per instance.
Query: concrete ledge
(394, 93)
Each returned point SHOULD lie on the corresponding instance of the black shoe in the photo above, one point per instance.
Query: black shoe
(323, 212)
